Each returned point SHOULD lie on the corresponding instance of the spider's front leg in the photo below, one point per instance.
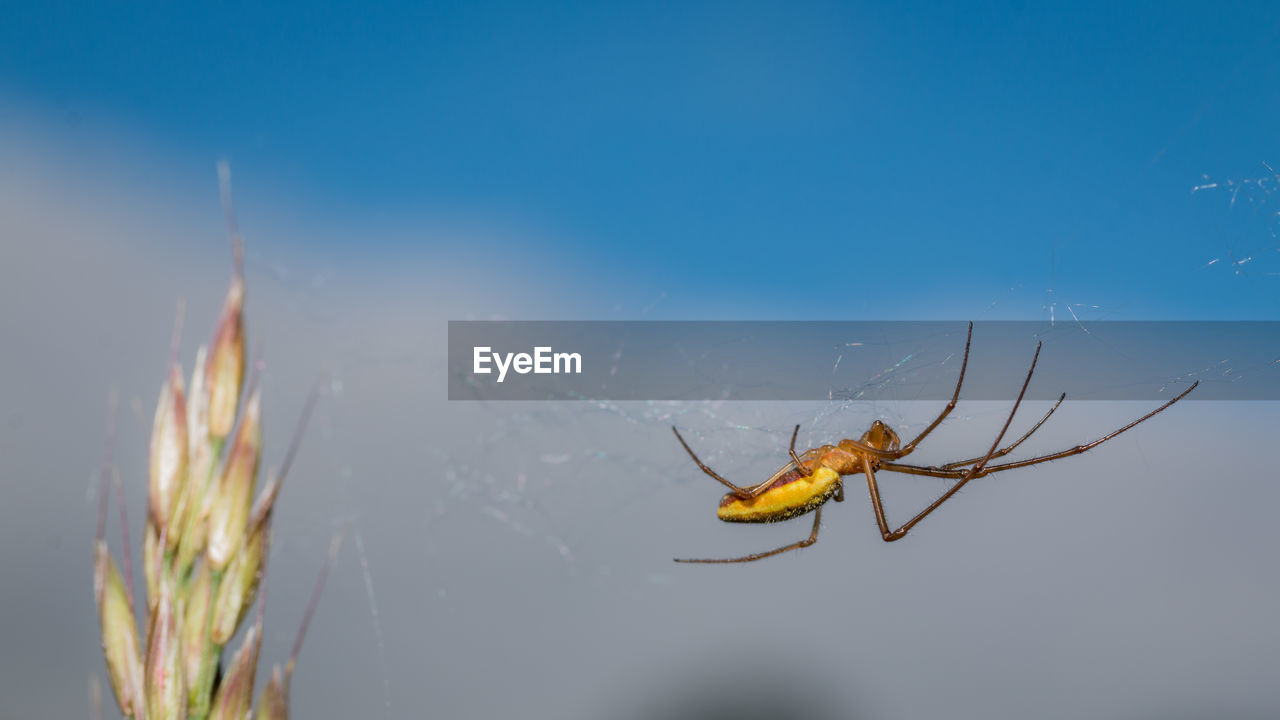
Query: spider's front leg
(946, 410)
(878, 506)
(977, 470)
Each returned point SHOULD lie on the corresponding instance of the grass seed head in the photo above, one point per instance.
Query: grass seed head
(224, 373)
(233, 496)
(274, 703)
(164, 678)
(190, 516)
(239, 585)
(198, 404)
(152, 557)
(119, 632)
(169, 450)
(235, 694)
(206, 538)
(195, 627)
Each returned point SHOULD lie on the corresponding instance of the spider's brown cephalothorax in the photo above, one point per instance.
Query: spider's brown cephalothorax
(880, 437)
(806, 483)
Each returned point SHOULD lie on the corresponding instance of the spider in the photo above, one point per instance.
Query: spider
(807, 482)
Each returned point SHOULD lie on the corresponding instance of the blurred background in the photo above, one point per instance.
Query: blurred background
(400, 166)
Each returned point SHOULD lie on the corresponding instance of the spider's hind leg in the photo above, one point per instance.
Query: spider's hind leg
(741, 492)
(813, 537)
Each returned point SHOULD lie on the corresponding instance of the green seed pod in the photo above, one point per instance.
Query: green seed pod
(188, 529)
(232, 497)
(225, 370)
(274, 703)
(235, 694)
(195, 628)
(193, 513)
(164, 678)
(169, 448)
(152, 555)
(239, 585)
(198, 405)
(119, 632)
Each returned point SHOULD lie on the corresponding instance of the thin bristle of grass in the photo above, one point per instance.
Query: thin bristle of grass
(95, 697)
(334, 546)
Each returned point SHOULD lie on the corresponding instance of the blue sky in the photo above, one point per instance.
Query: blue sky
(737, 159)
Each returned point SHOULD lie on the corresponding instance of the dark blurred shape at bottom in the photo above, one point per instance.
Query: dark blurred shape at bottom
(730, 690)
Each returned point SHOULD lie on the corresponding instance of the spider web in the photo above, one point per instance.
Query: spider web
(1251, 236)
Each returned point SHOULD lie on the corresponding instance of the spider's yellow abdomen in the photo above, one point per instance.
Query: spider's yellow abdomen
(790, 495)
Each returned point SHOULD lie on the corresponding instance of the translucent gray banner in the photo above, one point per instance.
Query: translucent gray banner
(501, 360)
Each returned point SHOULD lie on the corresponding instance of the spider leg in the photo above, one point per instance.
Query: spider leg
(813, 537)
(744, 493)
(739, 491)
(947, 472)
(971, 473)
(930, 471)
(955, 397)
(796, 458)
(1008, 449)
(876, 504)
